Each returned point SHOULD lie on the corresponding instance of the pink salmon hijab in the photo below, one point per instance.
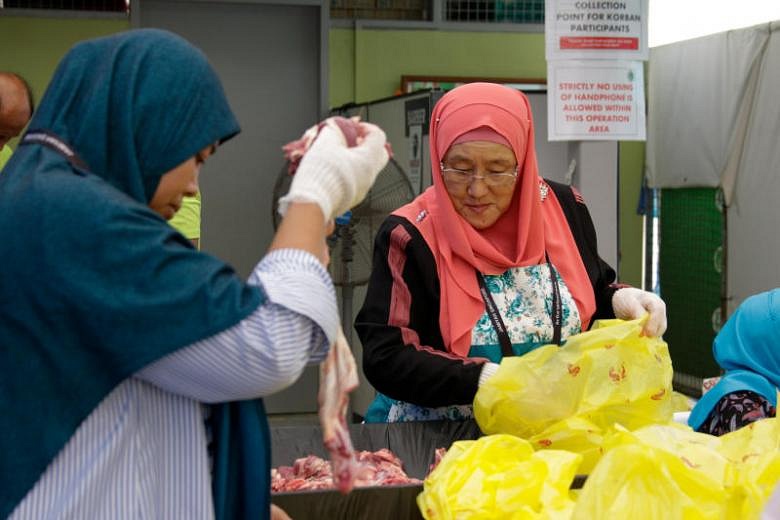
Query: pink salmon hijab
(521, 235)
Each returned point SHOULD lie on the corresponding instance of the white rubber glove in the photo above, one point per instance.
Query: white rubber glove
(488, 370)
(335, 176)
(630, 303)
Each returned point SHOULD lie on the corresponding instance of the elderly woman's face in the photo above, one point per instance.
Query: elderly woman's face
(480, 201)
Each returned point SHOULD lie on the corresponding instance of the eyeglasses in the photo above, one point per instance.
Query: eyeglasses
(458, 177)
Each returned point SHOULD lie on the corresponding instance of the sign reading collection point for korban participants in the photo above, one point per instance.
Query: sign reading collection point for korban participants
(596, 29)
(595, 100)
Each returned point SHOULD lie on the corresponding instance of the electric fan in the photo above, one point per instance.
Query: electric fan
(351, 245)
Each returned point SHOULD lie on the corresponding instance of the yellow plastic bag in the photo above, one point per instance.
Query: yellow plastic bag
(754, 454)
(499, 476)
(639, 481)
(698, 451)
(569, 397)
(670, 471)
(575, 434)
(681, 402)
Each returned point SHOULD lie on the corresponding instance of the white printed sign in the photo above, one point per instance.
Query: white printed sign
(595, 101)
(596, 29)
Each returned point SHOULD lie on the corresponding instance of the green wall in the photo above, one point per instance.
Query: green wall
(365, 64)
(630, 168)
(33, 46)
(368, 64)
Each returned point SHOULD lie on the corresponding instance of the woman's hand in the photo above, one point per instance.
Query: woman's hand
(630, 303)
(337, 176)
(277, 513)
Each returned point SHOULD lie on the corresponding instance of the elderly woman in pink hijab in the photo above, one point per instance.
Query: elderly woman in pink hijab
(490, 261)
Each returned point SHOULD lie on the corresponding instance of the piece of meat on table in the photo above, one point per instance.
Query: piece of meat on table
(338, 377)
(379, 468)
(437, 456)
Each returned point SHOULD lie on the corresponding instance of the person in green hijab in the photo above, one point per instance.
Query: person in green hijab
(123, 349)
(187, 219)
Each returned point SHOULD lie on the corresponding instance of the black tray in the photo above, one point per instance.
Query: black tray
(415, 443)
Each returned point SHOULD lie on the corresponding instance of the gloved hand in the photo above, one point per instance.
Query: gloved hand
(488, 369)
(335, 176)
(630, 303)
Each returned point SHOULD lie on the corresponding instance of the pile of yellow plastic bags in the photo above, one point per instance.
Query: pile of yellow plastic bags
(602, 406)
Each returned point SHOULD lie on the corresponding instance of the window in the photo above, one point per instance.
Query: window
(120, 6)
(483, 11)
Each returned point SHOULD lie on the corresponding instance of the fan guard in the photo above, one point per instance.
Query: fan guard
(351, 245)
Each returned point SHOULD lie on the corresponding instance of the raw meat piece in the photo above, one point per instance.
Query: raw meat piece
(379, 468)
(437, 456)
(338, 377)
(349, 127)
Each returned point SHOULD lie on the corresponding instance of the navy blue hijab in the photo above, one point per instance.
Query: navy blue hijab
(94, 286)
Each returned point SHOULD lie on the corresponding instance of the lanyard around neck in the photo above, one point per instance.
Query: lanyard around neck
(494, 314)
(50, 140)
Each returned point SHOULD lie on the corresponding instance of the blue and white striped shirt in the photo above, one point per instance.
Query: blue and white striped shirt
(142, 452)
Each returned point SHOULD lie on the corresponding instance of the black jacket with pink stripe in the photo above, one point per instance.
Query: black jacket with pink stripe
(409, 362)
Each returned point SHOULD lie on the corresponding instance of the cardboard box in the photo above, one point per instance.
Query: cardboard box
(414, 443)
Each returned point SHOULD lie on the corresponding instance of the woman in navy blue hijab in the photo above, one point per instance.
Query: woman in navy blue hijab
(114, 330)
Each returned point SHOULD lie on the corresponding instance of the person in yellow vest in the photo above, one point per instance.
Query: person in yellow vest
(16, 109)
(187, 219)
(5, 154)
